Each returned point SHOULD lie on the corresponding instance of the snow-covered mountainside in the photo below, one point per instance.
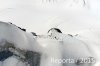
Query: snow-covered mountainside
(19, 48)
(34, 15)
(77, 19)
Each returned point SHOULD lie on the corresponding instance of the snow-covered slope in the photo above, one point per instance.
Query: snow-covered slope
(36, 15)
(14, 35)
(17, 47)
(58, 46)
(43, 50)
(71, 16)
(91, 38)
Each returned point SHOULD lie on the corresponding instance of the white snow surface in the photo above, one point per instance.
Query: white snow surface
(12, 61)
(71, 16)
(14, 35)
(62, 47)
